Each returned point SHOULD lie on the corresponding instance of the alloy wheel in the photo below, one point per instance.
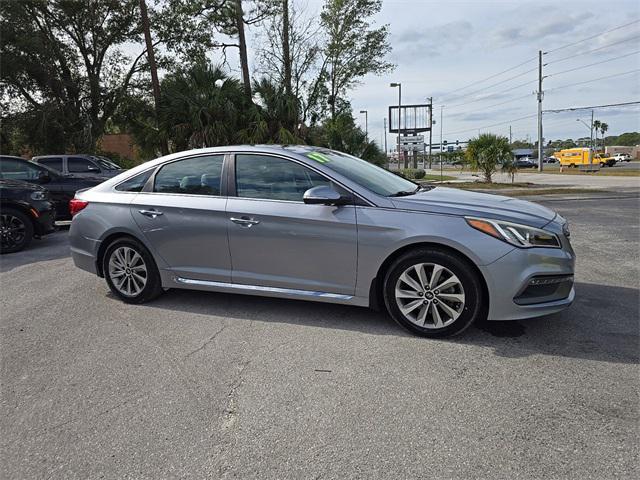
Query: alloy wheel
(430, 295)
(12, 231)
(128, 271)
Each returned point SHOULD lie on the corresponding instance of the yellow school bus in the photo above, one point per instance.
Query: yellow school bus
(574, 157)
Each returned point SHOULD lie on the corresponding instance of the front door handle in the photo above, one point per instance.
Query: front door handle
(244, 221)
(150, 213)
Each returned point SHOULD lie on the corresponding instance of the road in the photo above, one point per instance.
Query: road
(203, 385)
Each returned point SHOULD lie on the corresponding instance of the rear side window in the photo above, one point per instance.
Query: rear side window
(135, 183)
(194, 176)
(55, 163)
(80, 165)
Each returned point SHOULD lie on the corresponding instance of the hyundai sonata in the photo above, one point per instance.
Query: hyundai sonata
(316, 224)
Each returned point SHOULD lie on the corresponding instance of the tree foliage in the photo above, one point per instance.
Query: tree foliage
(63, 66)
(353, 49)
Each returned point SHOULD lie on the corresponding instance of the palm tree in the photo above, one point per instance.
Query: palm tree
(603, 129)
(487, 152)
(202, 107)
(596, 126)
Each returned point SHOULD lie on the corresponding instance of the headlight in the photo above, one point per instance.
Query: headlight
(37, 195)
(521, 236)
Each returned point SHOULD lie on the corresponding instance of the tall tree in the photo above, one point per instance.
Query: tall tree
(152, 66)
(242, 47)
(353, 49)
(286, 51)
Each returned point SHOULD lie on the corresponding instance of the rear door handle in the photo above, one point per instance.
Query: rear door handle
(150, 213)
(244, 221)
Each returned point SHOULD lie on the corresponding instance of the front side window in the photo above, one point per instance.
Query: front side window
(135, 183)
(80, 165)
(194, 176)
(13, 169)
(266, 177)
(55, 163)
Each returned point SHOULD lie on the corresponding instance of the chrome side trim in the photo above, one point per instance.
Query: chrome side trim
(258, 288)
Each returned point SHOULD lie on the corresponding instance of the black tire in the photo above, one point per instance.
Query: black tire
(472, 310)
(16, 230)
(152, 287)
(602, 165)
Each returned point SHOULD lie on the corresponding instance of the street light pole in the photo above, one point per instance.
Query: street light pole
(385, 136)
(399, 85)
(366, 124)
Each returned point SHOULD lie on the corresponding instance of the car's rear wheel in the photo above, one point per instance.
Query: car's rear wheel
(433, 293)
(131, 272)
(16, 230)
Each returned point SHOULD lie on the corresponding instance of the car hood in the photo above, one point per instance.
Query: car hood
(6, 183)
(452, 201)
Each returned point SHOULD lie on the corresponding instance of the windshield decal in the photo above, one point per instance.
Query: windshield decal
(318, 157)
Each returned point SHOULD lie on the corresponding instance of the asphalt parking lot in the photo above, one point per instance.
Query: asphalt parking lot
(203, 385)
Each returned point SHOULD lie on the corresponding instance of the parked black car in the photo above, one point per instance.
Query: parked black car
(525, 164)
(26, 211)
(61, 187)
(80, 165)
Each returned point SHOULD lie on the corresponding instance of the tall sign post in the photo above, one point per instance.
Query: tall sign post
(408, 121)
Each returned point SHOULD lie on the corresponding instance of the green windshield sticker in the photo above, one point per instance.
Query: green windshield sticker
(318, 157)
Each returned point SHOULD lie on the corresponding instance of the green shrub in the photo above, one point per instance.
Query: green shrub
(412, 173)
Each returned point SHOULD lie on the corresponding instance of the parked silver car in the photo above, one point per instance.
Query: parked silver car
(310, 223)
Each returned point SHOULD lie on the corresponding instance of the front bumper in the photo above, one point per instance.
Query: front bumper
(508, 277)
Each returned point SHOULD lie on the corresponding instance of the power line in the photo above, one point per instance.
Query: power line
(485, 98)
(501, 103)
(569, 57)
(593, 36)
(494, 125)
(592, 80)
(592, 107)
(592, 64)
(488, 78)
(498, 83)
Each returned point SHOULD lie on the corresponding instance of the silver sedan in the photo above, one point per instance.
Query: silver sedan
(316, 224)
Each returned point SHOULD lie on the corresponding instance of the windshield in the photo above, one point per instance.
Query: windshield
(365, 174)
(106, 163)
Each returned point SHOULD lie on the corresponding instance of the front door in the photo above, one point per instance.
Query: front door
(276, 240)
(183, 218)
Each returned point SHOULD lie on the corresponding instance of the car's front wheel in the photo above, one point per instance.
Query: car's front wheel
(16, 230)
(433, 293)
(131, 272)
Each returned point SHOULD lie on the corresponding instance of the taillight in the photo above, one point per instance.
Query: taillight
(75, 205)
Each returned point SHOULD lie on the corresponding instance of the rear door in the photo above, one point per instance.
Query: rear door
(276, 240)
(181, 212)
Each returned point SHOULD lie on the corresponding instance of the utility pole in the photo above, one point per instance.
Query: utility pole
(540, 95)
(440, 156)
(430, 128)
(385, 135)
(164, 148)
(510, 141)
(592, 150)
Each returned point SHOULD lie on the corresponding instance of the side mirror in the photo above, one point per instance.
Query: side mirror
(43, 177)
(324, 195)
(91, 168)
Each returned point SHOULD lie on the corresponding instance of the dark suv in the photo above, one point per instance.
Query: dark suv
(26, 211)
(61, 187)
(80, 165)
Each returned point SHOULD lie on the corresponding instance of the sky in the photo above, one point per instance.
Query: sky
(440, 47)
